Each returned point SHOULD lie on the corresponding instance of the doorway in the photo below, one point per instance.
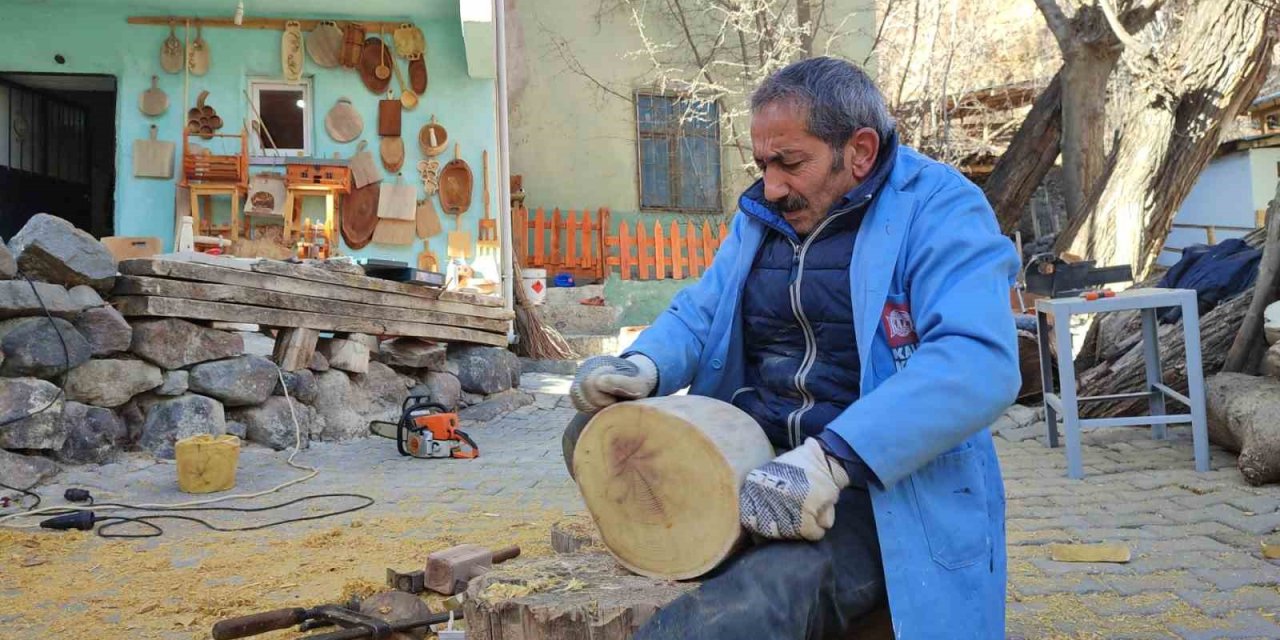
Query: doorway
(57, 150)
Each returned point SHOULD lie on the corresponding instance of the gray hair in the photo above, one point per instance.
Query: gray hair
(840, 99)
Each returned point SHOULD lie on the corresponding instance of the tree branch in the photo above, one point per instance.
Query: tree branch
(884, 21)
(573, 64)
(1122, 34)
(1057, 21)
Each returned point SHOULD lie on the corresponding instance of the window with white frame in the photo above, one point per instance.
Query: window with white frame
(285, 109)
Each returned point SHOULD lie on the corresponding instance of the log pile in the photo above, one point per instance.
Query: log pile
(280, 294)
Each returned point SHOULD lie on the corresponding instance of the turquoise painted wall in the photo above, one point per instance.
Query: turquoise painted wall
(97, 40)
(641, 300)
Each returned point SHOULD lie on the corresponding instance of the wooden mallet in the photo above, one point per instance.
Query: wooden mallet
(449, 571)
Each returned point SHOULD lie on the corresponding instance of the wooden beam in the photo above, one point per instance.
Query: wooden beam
(211, 292)
(294, 348)
(221, 275)
(269, 24)
(136, 306)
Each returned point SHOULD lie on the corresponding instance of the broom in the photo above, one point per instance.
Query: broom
(537, 340)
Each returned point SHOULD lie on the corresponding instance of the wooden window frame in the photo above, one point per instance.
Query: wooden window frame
(673, 136)
(256, 150)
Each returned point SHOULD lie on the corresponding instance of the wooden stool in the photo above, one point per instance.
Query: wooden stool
(293, 210)
(208, 189)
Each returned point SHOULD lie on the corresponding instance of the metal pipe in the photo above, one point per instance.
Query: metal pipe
(504, 163)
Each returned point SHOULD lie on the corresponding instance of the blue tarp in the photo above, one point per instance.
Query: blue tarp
(1216, 272)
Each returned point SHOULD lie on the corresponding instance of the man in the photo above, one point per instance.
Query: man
(859, 312)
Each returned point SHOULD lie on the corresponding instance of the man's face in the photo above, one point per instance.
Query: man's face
(803, 176)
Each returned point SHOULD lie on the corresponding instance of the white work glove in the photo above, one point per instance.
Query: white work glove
(604, 380)
(794, 496)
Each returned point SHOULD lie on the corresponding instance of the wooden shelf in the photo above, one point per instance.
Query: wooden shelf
(270, 24)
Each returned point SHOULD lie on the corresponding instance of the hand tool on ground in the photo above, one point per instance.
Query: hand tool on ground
(448, 571)
(356, 618)
(426, 430)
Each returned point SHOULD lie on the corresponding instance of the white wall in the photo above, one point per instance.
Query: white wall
(1266, 172)
(1224, 195)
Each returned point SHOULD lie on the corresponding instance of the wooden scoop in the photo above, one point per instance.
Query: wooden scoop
(408, 99)
(382, 72)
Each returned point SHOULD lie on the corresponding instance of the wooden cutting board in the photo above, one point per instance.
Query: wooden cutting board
(363, 169)
(389, 117)
(153, 158)
(392, 151)
(198, 56)
(398, 202)
(291, 56)
(172, 58)
(360, 216)
(456, 182)
(324, 44)
(418, 75)
(399, 232)
(409, 41)
(428, 221)
(370, 55)
(153, 101)
(343, 122)
(460, 244)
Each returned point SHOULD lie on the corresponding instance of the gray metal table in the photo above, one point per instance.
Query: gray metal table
(1067, 404)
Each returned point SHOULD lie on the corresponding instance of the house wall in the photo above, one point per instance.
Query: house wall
(1265, 170)
(98, 40)
(1224, 194)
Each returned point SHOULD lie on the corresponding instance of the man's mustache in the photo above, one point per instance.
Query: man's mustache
(793, 202)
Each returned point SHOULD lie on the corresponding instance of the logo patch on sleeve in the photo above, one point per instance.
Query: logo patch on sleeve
(899, 332)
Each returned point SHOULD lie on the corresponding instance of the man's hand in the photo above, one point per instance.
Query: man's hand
(604, 380)
(794, 496)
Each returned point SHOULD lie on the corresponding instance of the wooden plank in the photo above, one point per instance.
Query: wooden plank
(570, 240)
(708, 249)
(211, 292)
(602, 251)
(625, 247)
(642, 249)
(691, 242)
(539, 228)
(208, 273)
(659, 253)
(137, 306)
(520, 234)
(314, 274)
(677, 263)
(294, 348)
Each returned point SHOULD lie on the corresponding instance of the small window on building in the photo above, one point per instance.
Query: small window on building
(679, 154)
(286, 112)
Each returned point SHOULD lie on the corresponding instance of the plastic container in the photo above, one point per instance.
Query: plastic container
(564, 280)
(534, 282)
(207, 464)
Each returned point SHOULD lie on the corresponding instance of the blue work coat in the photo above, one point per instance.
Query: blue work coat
(929, 283)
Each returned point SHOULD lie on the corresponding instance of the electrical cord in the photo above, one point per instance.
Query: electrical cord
(66, 357)
(23, 491)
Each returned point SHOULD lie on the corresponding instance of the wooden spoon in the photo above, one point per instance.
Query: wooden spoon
(408, 99)
(382, 72)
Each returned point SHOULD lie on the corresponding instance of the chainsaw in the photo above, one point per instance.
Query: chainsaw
(426, 430)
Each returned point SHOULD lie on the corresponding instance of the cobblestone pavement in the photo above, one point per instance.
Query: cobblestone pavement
(1197, 570)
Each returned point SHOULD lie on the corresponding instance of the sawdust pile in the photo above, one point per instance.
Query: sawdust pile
(60, 584)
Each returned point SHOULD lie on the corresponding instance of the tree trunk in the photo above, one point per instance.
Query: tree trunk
(1250, 344)
(1085, 72)
(635, 463)
(1030, 156)
(1212, 67)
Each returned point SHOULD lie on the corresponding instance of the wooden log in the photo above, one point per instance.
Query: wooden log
(294, 348)
(1246, 350)
(661, 476)
(135, 306)
(222, 275)
(212, 292)
(567, 596)
(571, 536)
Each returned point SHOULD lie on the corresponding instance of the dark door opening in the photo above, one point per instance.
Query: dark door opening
(57, 150)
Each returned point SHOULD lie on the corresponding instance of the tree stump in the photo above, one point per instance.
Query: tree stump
(661, 476)
(571, 536)
(566, 596)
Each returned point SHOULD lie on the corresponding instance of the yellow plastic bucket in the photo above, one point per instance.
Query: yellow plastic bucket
(207, 464)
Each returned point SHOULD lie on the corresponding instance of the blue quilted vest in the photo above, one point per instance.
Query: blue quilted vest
(801, 363)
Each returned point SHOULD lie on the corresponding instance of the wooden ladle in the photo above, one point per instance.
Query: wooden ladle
(381, 71)
(408, 99)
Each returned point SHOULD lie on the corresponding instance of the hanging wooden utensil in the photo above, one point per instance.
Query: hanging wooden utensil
(382, 72)
(408, 41)
(352, 45)
(343, 122)
(363, 169)
(392, 152)
(428, 221)
(456, 183)
(397, 201)
(488, 240)
(202, 119)
(324, 44)
(398, 232)
(430, 172)
(198, 56)
(427, 260)
(172, 58)
(291, 57)
(153, 158)
(360, 216)
(418, 75)
(153, 101)
(460, 245)
(389, 117)
(369, 60)
(433, 138)
(408, 99)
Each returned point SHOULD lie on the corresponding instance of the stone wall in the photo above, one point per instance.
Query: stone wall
(79, 383)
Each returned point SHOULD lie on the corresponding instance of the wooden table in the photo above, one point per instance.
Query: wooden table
(233, 190)
(293, 210)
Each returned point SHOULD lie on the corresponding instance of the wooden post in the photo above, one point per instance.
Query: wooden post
(294, 348)
(642, 249)
(570, 235)
(690, 239)
(539, 225)
(708, 249)
(625, 247)
(659, 253)
(556, 257)
(677, 264)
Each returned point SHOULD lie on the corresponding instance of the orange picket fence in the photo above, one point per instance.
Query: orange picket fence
(585, 244)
